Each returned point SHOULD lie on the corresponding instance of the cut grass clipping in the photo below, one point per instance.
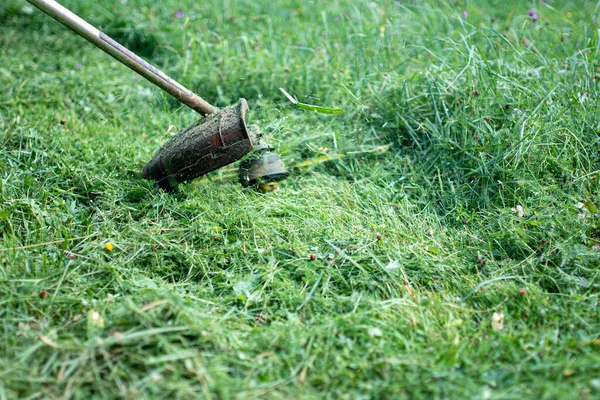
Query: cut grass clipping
(310, 107)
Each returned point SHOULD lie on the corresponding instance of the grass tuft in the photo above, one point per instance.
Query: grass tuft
(459, 183)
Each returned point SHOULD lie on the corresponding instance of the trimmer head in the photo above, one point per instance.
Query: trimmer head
(211, 143)
(265, 168)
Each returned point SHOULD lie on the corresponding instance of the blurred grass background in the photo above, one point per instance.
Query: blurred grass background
(468, 185)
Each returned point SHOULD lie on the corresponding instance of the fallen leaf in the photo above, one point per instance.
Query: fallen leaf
(375, 332)
(393, 265)
(49, 342)
(96, 319)
(591, 207)
(520, 211)
(498, 321)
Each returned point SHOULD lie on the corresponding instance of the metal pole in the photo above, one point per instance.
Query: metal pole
(125, 56)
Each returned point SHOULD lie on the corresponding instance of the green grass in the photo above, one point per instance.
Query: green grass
(450, 126)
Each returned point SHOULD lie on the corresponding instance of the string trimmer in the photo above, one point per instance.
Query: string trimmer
(218, 139)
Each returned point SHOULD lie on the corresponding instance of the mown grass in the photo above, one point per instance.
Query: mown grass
(468, 186)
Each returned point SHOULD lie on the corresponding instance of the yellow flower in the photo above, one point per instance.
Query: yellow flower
(108, 247)
(268, 187)
(569, 15)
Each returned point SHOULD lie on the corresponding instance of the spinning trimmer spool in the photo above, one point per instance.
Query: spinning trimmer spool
(219, 139)
(263, 170)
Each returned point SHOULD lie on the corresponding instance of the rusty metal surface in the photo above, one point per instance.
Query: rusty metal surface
(209, 144)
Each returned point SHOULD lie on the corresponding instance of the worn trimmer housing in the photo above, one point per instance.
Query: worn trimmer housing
(211, 143)
(219, 139)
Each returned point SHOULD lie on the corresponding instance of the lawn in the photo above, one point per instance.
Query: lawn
(439, 239)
